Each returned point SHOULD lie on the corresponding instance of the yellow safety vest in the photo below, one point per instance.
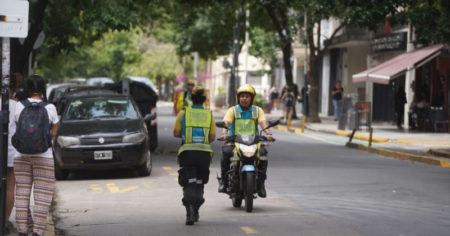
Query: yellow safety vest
(201, 118)
(184, 98)
(245, 126)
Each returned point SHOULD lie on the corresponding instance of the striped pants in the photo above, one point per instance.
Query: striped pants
(40, 172)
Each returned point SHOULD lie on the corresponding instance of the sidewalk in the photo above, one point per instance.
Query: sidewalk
(387, 140)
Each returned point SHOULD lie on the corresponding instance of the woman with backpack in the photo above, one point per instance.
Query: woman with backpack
(36, 124)
(288, 99)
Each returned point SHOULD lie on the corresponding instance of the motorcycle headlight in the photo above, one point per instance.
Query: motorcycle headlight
(248, 151)
(134, 138)
(67, 141)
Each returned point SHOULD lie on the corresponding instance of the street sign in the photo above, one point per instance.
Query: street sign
(14, 18)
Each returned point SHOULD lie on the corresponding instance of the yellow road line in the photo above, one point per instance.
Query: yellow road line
(146, 185)
(173, 173)
(96, 188)
(249, 230)
(114, 189)
(167, 168)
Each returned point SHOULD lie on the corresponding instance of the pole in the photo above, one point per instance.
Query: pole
(305, 91)
(195, 64)
(232, 86)
(5, 120)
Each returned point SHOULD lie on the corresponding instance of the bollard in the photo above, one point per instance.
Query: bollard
(370, 137)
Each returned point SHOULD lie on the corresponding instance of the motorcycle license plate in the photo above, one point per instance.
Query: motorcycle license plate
(103, 155)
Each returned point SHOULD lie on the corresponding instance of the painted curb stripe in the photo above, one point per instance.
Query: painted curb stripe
(402, 155)
(362, 137)
(439, 152)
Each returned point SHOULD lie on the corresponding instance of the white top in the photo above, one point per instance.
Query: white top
(11, 132)
(52, 116)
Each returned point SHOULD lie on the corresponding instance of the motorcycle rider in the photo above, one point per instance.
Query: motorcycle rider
(243, 119)
(196, 128)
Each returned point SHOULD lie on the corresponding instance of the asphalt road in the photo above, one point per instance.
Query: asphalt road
(315, 185)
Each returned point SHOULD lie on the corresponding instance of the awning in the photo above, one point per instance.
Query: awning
(396, 66)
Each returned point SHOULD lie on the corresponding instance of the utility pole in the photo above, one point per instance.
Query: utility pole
(4, 128)
(13, 24)
(236, 46)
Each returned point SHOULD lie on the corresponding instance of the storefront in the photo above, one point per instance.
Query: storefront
(426, 82)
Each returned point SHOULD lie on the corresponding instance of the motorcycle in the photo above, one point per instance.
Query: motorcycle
(243, 173)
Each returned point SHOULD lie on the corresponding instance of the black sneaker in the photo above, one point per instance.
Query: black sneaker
(262, 191)
(222, 188)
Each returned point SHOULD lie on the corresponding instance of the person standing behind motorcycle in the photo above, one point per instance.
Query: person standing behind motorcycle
(185, 100)
(196, 128)
(237, 119)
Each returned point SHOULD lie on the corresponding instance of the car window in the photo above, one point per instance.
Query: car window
(100, 108)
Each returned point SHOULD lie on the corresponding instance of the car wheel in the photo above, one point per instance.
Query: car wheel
(60, 174)
(146, 168)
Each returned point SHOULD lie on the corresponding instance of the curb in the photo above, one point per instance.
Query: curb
(439, 152)
(361, 137)
(394, 154)
(402, 155)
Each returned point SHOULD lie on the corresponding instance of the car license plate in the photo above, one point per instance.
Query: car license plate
(103, 155)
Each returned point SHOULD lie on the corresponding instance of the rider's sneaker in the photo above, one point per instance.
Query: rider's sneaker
(262, 191)
(222, 188)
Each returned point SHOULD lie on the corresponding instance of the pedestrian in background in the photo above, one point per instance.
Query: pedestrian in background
(184, 99)
(274, 95)
(196, 128)
(337, 94)
(288, 99)
(399, 101)
(34, 170)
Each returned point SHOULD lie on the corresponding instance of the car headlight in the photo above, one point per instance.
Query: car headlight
(248, 151)
(134, 138)
(67, 141)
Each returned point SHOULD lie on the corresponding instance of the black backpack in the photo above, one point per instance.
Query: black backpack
(33, 129)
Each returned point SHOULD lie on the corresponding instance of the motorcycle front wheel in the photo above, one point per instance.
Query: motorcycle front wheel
(249, 184)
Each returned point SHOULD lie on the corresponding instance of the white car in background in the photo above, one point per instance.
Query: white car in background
(99, 81)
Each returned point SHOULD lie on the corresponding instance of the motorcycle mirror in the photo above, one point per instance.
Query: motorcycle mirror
(273, 123)
(221, 124)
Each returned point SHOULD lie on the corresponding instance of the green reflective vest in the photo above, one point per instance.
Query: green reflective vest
(200, 118)
(245, 126)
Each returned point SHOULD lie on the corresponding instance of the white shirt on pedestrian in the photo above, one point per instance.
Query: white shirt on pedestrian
(52, 116)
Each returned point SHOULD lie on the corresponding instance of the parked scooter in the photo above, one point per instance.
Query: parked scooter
(243, 173)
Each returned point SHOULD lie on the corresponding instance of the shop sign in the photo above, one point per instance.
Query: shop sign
(388, 42)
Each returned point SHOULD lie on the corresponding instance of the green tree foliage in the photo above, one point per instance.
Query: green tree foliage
(116, 55)
(430, 19)
(68, 24)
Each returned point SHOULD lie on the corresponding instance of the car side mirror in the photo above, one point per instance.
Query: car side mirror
(221, 124)
(149, 117)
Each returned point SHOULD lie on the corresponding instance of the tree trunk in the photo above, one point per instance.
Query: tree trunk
(21, 52)
(313, 115)
(159, 85)
(287, 64)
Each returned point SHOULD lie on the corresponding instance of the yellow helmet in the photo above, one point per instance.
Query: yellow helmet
(191, 82)
(246, 88)
(199, 91)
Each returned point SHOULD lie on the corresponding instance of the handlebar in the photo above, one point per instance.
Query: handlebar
(231, 138)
